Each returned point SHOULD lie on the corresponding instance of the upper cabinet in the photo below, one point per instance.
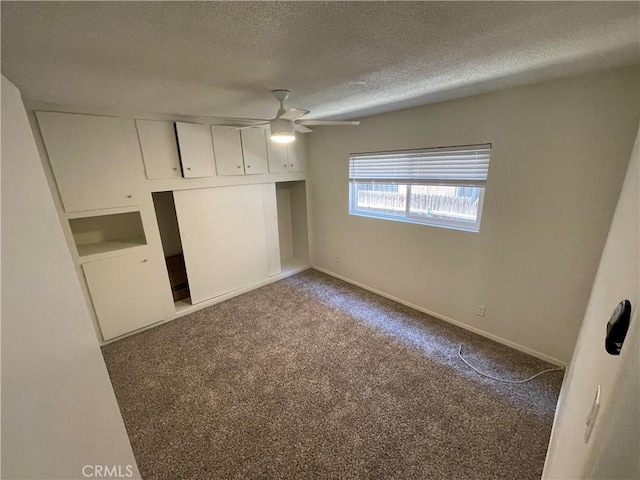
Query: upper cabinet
(297, 155)
(278, 161)
(175, 150)
(239, 151)
(227, 147)
(196, 152)
(254, 150)
(89, 159)
(287, 158)
(159, 149)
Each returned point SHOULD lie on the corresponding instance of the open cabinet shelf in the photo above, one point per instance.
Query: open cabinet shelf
(102, 234)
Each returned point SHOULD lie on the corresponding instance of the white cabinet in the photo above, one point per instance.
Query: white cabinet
(89, 159)
(287, 158)
(223, 238)
(124, 293)
(175, 150)
(278, 161)
(227, 147)
(240, 151)
(159, 149)
(254, 150)
(297, 155)
(196, 152)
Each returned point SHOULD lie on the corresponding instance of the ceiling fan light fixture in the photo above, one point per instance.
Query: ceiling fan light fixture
(282, 131)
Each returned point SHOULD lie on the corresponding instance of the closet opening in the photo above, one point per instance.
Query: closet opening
(164, 205)
(291, 198)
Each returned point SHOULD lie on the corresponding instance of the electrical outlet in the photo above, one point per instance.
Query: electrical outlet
(480, 309)
(338, 259)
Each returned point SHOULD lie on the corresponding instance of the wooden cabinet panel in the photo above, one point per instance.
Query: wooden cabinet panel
(196, 151)
(159, 149)
(223, 238)
(228, 150)
(297, 155)
(124, 294)
(89, 158)
(254, 150)
(277, 153)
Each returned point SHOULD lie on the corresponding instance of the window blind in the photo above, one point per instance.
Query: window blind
(467, 165)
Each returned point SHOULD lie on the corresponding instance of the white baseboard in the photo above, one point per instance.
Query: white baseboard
(458, 323)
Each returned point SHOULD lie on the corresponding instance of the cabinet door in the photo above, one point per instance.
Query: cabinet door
(223, 238)
(254, 150)
(297, 155)
(228, 150)
(89, 159)
(124, 294)
(196, 151)
(159, 149)
(277, 152)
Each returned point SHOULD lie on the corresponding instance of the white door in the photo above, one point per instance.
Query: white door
(89, 158)
(159, 149)
(196, 151)
(228, 150)
(277, 153)
(254, 150)
(297, 154)
(223, 238)
(124, 293)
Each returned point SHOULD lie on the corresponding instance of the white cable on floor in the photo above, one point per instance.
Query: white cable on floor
(501, 379)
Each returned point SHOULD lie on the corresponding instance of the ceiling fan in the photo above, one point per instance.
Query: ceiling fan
(287, 122)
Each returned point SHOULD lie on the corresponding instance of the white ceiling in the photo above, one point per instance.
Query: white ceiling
(223, 58)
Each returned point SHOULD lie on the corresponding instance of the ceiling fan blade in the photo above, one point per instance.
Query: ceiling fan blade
(293, 114)
(229, 120)
(257, 125)
(327, 122)
(303, 129)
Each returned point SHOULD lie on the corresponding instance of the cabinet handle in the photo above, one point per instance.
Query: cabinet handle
(129, 196)
(291, 164)
(285, 164)
(238, 166)
(248, 166)
(145, 260)
(174, 168)
(188, 168)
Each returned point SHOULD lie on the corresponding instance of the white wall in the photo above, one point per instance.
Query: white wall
(614, 448)
(59, 412)
(560, 150)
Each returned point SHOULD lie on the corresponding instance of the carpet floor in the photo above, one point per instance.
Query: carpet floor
(311, 378)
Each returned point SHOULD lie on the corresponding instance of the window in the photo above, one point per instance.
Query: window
(443, 187)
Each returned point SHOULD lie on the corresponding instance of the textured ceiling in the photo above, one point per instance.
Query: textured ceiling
(223, 58)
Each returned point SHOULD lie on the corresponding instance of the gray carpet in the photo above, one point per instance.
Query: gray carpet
(312, 378)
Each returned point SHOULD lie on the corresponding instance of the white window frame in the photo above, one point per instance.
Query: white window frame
(476, 179)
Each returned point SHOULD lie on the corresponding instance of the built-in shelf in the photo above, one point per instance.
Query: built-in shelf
(108, 246)
(102, 234)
